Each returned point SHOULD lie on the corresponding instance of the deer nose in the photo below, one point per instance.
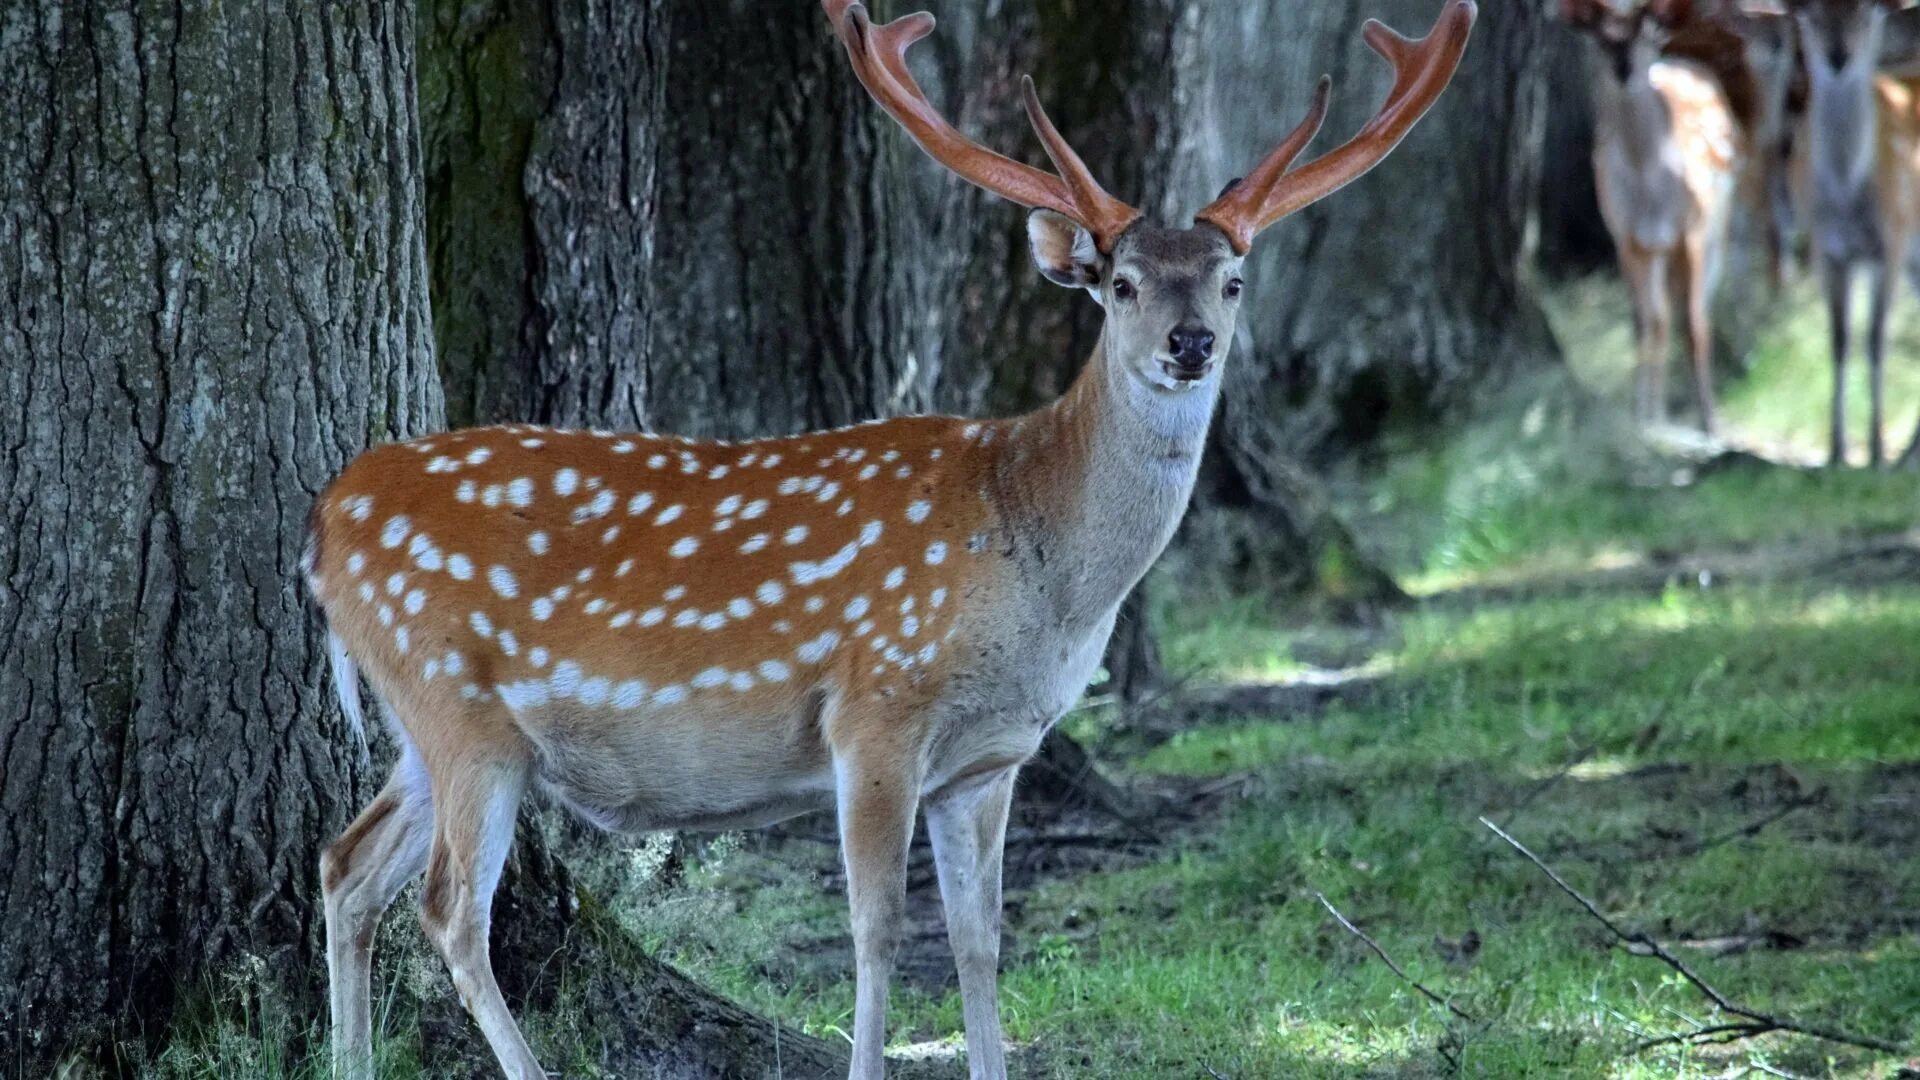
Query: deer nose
(1837, 57)
(1191, 346)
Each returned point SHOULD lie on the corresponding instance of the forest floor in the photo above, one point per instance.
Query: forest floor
(1690, 692)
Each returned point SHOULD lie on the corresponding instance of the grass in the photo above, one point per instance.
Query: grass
(1733, 767)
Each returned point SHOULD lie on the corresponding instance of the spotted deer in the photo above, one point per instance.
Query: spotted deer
(1857, 178)
(1664, 158)
(660, 634)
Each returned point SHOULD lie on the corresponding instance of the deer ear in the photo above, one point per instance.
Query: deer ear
(1063, 251)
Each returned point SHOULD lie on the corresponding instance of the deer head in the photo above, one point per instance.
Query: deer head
(1839, 38)
(1630, 35)
(1171, 295)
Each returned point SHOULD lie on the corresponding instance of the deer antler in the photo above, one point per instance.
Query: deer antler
(879, 58)
(1421, 70)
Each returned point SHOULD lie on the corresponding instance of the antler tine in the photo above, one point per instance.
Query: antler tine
(1104, 216)
(878, 55)
(1422, 70)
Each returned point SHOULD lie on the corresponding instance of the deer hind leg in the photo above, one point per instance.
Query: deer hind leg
(360, 874)
(1838, 279)
(876, 781)
(1694, 274)
(476, 799)
(968, 828)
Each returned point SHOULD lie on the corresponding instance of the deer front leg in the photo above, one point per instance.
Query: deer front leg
(1838, 279)
(1646, 279)
(877, 787)
(968, 828)
(1883, 281)
(1699, 283)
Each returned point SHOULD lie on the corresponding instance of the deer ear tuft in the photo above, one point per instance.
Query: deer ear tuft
(1063, 251)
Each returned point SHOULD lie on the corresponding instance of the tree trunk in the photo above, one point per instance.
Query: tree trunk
(214, 295)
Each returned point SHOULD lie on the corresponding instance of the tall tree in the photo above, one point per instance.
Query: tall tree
(214, 295)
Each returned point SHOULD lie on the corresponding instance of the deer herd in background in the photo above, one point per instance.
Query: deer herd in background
(1791, 109)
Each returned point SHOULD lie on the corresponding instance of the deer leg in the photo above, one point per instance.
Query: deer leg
(1883, 281)
(968, 828)
(475, 805)
(1837, 277)
(360, 874)
(1696, 278)
(877, 794)
(1646, 276)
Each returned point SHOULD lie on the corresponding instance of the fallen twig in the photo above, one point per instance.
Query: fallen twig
(1752, 828)
(1397, 970)
(1639, 944)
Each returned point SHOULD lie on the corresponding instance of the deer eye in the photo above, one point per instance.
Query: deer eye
(1123, 289)
(1234, 285)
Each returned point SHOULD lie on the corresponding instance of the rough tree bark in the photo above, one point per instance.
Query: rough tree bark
(212, 294)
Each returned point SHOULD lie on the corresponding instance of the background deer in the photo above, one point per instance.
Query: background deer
(1665, 155)
(668, 634)
(1857, 173)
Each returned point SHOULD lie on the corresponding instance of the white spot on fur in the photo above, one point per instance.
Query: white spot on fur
(896, 577)
(918, 510)
(936, 553)
(503, 582)
(684, 547)
(775, 671)
(938, 596)
(771, 592)
(416, 601)
(467, 491)
(794, 535)
(566, 482)
(670, 514)
(653, 616)
(395, 532)
(754, 543)
(358, 507)
(727, 507)
(356, 562)
(856, 607)
(816, 650)
(520, 491)
(537, 542)
(639, 503)
(672, 694)
(478, 455)
(481, 624)
(537, 656)
(460, 567)
(541, 609)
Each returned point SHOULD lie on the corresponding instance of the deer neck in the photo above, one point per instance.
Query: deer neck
(1632, 117)
(1096, 483)
(1843, 129)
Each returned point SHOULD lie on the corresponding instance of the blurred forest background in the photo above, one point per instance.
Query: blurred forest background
(1431, 572)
